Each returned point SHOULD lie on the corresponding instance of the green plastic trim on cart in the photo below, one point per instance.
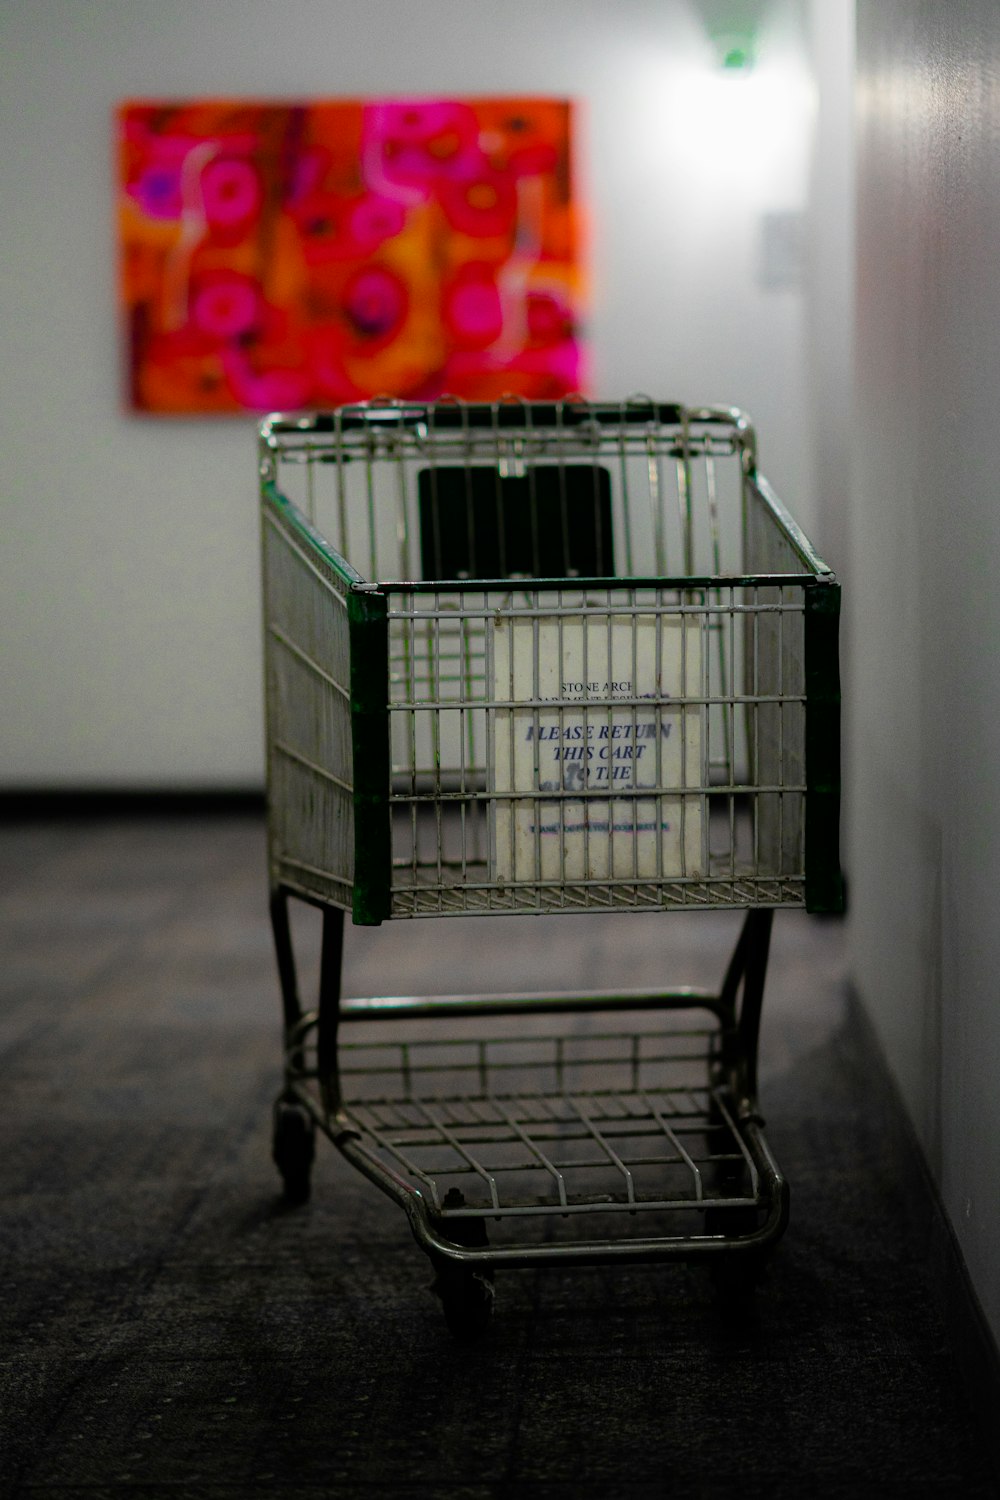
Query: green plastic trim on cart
(295, 519)
(368, 621)
(824, 882)
(787, 523)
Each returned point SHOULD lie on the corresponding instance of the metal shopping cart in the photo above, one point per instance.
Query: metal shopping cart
(542, 658)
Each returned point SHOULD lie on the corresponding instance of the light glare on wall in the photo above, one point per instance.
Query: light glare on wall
(744, 125)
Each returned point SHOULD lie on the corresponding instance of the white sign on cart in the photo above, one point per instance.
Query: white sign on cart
(597, 706)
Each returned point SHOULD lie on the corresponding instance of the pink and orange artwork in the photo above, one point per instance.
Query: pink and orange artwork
(298, 256)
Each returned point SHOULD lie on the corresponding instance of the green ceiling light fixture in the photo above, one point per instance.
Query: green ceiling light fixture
(732, 31)
(735, 52)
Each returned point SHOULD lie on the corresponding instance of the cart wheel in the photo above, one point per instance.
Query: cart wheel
(293, 1148)
(467, 1294)
(735, 1275)
(736, 1278)
(468, 1299)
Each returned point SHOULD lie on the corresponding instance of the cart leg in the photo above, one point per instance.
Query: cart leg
(736, 1274)
(747, 968)
(331, 963)
(293, 1138)
(287, 976)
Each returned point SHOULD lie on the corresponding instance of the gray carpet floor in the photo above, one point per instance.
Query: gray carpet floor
(169, 1328)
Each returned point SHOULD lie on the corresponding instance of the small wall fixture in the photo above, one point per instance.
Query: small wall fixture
(734, 51)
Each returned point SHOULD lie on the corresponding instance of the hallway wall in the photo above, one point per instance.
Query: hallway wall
(925, 614)
(128, 578)
(830, 278)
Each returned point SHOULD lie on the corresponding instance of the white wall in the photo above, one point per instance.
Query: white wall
(128, 575)
(925, 610)
(830, 279)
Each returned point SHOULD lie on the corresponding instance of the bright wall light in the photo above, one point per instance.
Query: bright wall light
(749, 126)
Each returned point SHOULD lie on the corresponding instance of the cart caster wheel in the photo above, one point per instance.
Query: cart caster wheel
(467, 1293)
(468, 1299)
(736, 1278)
(293, 1148)
(735, 1275)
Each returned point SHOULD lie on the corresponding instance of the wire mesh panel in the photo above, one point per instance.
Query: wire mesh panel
(595, 684)
(552, 1120)
(555, 750)
(309, 732)
(457, 491)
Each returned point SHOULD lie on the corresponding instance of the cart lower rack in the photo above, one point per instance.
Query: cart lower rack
(477, 702)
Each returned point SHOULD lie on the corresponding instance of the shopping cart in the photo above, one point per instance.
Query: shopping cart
(542, 658)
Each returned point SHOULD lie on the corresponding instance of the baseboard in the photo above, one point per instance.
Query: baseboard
(971, 1338)
(45, 804)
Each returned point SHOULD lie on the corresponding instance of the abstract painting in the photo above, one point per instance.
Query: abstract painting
(298, 256)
